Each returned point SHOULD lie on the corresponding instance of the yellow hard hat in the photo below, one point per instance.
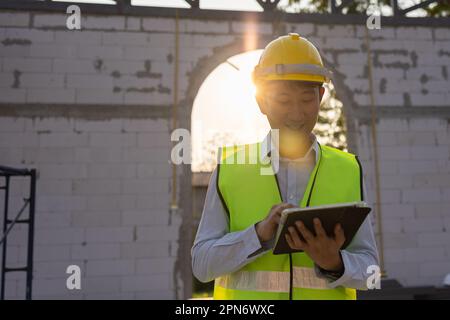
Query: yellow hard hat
(291, 57)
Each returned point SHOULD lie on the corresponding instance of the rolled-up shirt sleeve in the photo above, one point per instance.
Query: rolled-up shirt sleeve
(216, 251)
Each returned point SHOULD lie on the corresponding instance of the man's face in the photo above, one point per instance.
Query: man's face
(291, 106)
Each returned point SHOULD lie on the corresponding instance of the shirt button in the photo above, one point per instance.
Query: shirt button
(291, 197)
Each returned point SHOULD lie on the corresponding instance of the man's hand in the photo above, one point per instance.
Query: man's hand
(266, 228)
(323, 250)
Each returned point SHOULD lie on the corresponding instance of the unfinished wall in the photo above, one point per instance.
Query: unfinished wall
(91, 110)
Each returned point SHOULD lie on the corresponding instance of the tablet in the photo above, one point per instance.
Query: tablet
(350, 215)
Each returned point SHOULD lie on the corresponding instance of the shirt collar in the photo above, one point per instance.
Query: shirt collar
(267, 145)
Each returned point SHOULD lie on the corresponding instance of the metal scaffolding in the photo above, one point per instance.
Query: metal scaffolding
(8, 224)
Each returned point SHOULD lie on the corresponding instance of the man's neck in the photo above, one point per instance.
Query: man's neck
(294, 146)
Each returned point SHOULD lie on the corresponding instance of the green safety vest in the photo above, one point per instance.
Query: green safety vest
(248, 196)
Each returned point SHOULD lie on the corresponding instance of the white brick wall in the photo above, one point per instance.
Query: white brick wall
(104, 185)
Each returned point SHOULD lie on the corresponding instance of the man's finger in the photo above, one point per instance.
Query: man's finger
(295, 238)
(320, 232)
(306, 234)
(339, 235)
(289, 241)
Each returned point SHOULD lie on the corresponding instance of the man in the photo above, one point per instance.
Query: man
(243, 203)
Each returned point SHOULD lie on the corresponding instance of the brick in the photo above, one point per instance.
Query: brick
(102, 284)
(99, 96)
(89, 81)
(211, 26)
(49, 125)
(145, 125)
(145, 234)
(155, 248)
(158, 24)
(63, 139)
(441, 33)
(13, 139)
(391, 225)
(351, 58)
(63, 171)
(154, 171)
(96, 186)
(144, 186)
(96, 219)
(103, 23)
(336, 31)
(434, 268)
(45, 155)
(139, 155)
(429, 152)
(105, 203)
(421, 195)
(428, 210)
(112, 171)
(101, 52)
(124, 67)
(153, 201)
(60, 203)
(304, 29)
(13, 95)
(32, 35)
(397, 210)
(81, 37)
(59, 236)
(15, 19)
(399, 240)
(413, 33)
(50, 20)
(41, 80)
(113, 139)
(432, 73)
(53, 219)
(53, 50)
(394, 153)
(155, 266)
(431, 180)
(11, 156)
(133, 23)
(15, 51)
(73, 66)
(109, 235)
(126, 38)
(396, 181)
(27, 64)
(389, 99)
(109, 267)
(415, 138)
(433, 239)
(51, 253)
(50, 95)
(384, 33)
(55, 186)
(12, 124)
(145, 283)
(422, 225)
(418, 166)
(428, 124)
(145, 218)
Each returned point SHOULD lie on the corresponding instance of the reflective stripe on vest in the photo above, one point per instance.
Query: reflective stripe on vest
(271, 281)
